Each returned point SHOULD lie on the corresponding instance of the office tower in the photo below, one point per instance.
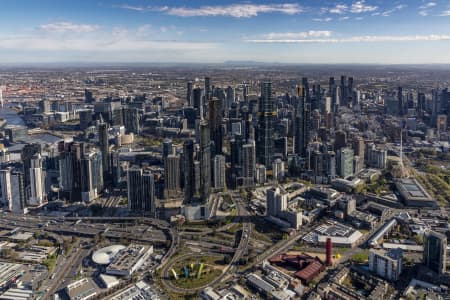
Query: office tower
(267, 113)
(345, 162)
(172, 175)
(340, 139)
(435, 251)
(229, 99)
(103, 141)
(131, 120)
(167, 148)
(205, 161)
(376, 158)
(236, 158)
(141, 190)
(215, 124)
(305, 86)
(85, 116)
(248, 160)
(421, 104)
(88, 97)
(260, 174)
(343, 97)
(91, 181)
(302, 124)
(5, 185)
(198, 102)
(219, 172)
(386, 263)
(44, 106)
(197, 179)
(27, 154)
(245, 92)
(189, 94)
(116, 169)
(189, 172)
(37, 195)
(17, 204)
(110, 111)
(278, 169)
(276, 202)
(208, 89)
(401, 104)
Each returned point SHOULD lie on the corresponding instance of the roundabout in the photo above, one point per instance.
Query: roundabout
(193, 272)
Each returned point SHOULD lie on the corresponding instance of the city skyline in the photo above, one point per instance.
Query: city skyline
(364, 31)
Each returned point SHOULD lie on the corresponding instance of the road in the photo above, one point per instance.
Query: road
(62, 271)
(231, 268)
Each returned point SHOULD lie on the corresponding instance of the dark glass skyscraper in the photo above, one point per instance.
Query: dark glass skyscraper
(267, 114)
(205, 161)
(434, 251)
(302, 124)
(215, 124)
(141, 190)
(189, 173)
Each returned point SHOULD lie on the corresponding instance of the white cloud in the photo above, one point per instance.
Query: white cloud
(344, 18)
(356, 39)
(428, 5)
(338, 9)
(387, 13)
(245, 10)
(445, 13)
(423, 13)
(361, 7)
(61, 27)
(322, 19)
(236, 10)
(89, 39)
(297, 35)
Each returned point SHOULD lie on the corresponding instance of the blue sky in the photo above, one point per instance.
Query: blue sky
(309, 31)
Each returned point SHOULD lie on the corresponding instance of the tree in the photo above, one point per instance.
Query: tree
(227, 259)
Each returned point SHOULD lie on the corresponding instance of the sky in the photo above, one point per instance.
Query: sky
(214, 31)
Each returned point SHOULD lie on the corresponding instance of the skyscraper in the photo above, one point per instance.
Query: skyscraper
(205, 161)
(172, 175)
(189, 93)
(37, 195)
(208, 89)
(5, 185)
(141, 190)
(219, 172)
(276, 202)
(266, 115)
(189, 172)
(27, 154)
(103, 141)
(215, 124)
(345, 162)
(435, 251)
(302, 124)
(131, 120)
(401, 104)
(198, 102)
(248, 160)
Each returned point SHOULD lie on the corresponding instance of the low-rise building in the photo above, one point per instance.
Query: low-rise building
(82, 289)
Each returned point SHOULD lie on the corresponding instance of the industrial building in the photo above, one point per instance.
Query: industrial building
(341, 235)
(82, 289)
(308, 267)
(128, 260)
